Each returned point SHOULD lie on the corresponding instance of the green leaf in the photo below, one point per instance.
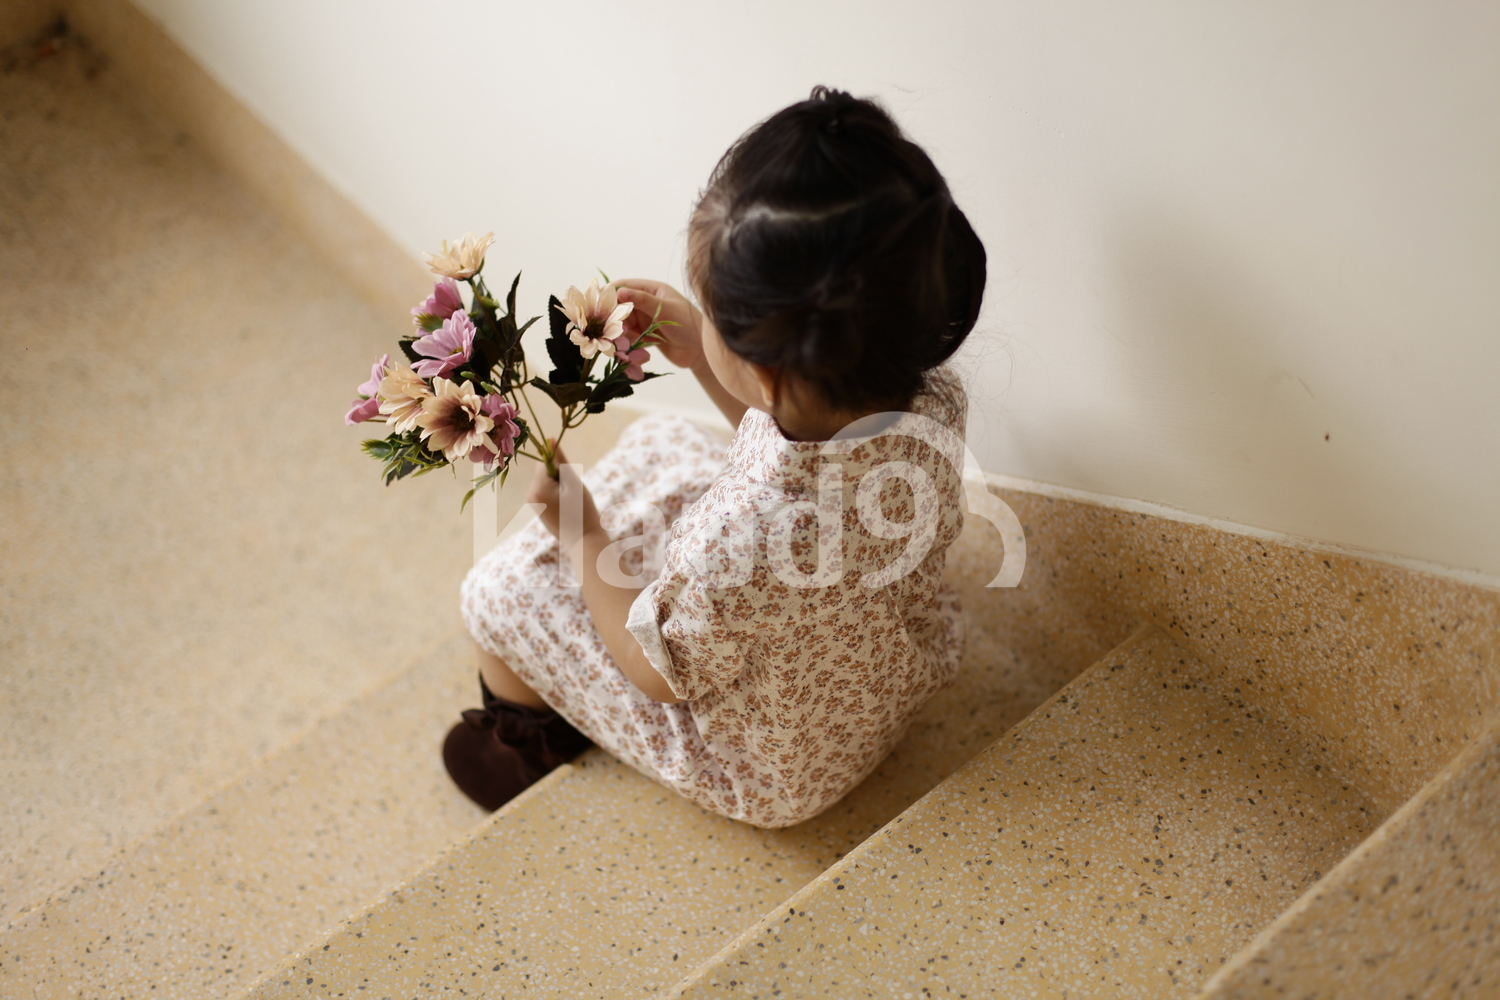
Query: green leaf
(380, 449)
(499, 472)
(563, 395)
(510, 300)
(610, 388)
(404, 455)
(567, 359)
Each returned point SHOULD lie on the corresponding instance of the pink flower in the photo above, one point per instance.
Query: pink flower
(632, 360)
(453, 420)
(505, 431)
(401, 394)
(368, 404)
(442, 303)
(596, 318)
(448, 346)
(362, 410)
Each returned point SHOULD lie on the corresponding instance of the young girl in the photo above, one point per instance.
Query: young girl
(774, 658)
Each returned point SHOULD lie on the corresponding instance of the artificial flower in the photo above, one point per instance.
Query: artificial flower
(506, 430)
(448, 346)
(632, 360)
(401, 394)
(596, 318)
(503, 435)
(362, 410)
(368, 403)
(462, 260)
(442, 303)
(453, 420)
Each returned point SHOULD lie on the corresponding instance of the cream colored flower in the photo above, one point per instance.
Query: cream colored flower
(596, 318)
(401, 394)
(453, 420)
(463, 259)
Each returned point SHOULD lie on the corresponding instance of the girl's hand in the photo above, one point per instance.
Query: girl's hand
(681, 344)
(553, 493)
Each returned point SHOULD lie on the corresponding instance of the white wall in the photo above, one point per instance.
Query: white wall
(1244, 256)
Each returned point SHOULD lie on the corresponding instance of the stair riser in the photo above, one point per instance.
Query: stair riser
(1385, 671)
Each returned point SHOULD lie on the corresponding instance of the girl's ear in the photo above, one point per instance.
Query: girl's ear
(765, 379)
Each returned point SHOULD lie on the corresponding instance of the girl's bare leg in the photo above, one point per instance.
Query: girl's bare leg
(503, 682)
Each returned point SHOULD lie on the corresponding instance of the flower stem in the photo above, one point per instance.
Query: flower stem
(542, 446)
(556, 442)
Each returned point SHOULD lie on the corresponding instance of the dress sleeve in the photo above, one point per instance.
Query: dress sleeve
(680, 623)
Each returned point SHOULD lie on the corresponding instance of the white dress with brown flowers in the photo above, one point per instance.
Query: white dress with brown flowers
(798, 674)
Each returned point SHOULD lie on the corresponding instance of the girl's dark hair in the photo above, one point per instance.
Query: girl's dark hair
(827, 246)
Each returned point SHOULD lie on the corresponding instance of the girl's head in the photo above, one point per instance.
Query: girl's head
(827, 250)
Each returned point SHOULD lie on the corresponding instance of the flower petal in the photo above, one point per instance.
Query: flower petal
(586, 346)
(363, 409)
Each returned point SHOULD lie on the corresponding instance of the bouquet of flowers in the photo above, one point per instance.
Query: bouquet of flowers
(463, 395)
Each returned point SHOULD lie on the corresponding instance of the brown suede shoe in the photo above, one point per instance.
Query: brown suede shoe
(504, 748)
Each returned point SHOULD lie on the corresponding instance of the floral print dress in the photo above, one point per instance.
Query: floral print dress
(793, 597)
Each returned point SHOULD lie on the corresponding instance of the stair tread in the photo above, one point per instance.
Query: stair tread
(220, 896)
(1412, 911)
(276, 857)
(641, 842)
(210, 901)
(1124, 840)
(596, 869)
(198, 579)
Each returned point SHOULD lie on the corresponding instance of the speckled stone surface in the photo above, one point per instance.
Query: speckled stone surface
(1386, 672)
(194, 555)
(594, 878)
(219, 895)
(646, 839)
(154, 69)
(1023, 644)
(1123, 841)
(171, 612)
(1413, 912)
(214, 898)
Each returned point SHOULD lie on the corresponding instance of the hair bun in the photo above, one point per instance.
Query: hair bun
(830, 344)
(827, 246)
(834, 103)
(831, 95)
(841, 292)
(964, 265)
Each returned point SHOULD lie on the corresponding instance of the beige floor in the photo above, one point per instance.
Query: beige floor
(197, 561)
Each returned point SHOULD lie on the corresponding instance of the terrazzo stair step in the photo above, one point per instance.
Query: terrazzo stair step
(210, 901)
(1125, 840)
(1414, 911)
(213, 899)
(599, 883)
(594, 882)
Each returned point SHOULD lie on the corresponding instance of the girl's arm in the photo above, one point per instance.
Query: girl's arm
(608, 605)
(681, 344)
